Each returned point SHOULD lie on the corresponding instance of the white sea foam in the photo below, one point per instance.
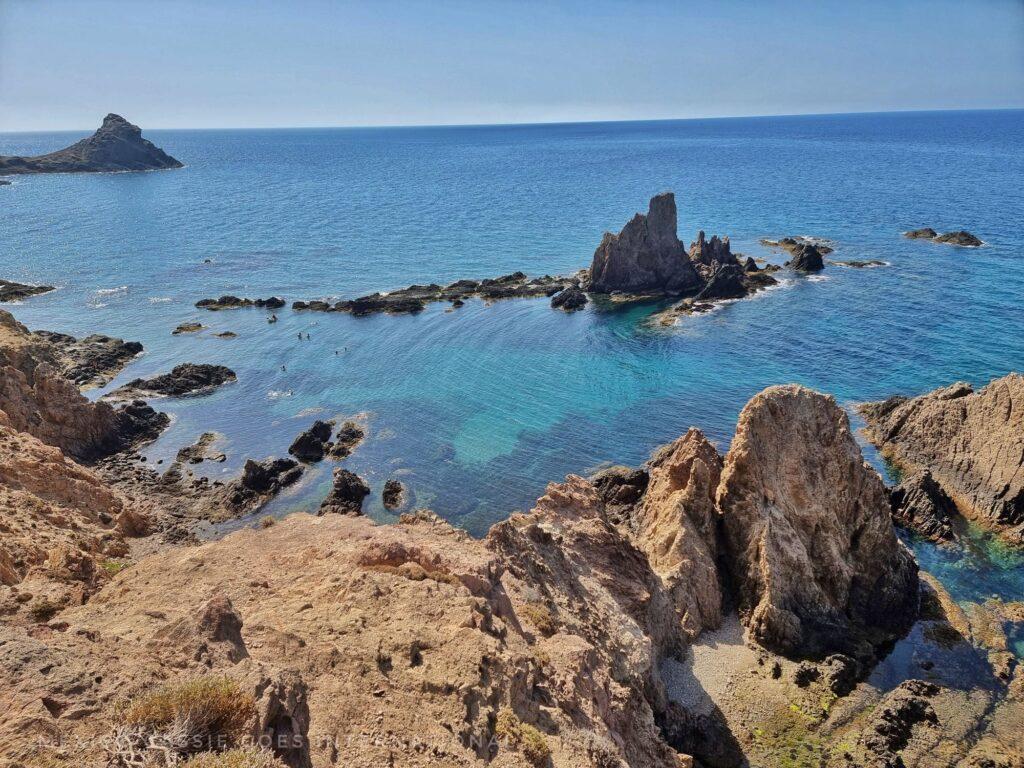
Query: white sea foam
(276, 393)
(120, 290)
(159, 299)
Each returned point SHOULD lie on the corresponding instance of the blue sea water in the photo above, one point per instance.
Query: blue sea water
(476, 409)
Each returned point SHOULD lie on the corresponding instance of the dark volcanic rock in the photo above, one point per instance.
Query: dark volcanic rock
(349, 435)
(569, 299)
(961, 238)
(116, 146)
(312, 444)
(709, 256)
(415, 298)
(347, 494)
(646, 256)
(857, 264)
(920, 505)
(259, 482)
(795, 244)
(750, 265)
(187, 328)
(900, 711)
(620, 489)
(10, 291)
(726, 283)
(393, 494)
(185, 379)
(927, 233)
(806, 258)
(234, 302)
(137, 423)
(92, 361)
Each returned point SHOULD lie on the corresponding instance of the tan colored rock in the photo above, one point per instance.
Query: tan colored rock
(676, 527)
(971, 442)
(814, 558)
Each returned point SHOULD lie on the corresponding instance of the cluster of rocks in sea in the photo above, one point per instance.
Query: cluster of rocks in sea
(11, 291)
(416, 297)
(117, 145)
(961, 237)
(314, 443)
(234, 302)
(562, 636)
(187, 379)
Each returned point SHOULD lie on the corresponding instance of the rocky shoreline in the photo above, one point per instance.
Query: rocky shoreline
(11, 291)
(704, 609)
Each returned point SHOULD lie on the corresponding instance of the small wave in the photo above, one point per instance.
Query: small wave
(159, 299)
(817, 278)
(97, 304)
(120, 290)
(276, 393)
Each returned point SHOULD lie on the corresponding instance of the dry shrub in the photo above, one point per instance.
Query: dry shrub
(523, 737)
(250, 757)
(541, 617)
(205, 713)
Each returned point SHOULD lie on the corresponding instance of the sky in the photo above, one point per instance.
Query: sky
(248, 63)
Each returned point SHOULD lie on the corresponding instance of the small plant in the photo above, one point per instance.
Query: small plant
(43, 609)
(541, 617)
(206, 713)
(113, 567)
(235, 758)
(267, 522)
(509, 729)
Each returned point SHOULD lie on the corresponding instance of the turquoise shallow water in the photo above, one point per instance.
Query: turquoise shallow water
(476, 409)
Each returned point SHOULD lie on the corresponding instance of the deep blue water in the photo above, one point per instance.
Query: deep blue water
(475, 410)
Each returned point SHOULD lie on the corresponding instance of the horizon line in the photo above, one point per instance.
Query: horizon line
(527, 124)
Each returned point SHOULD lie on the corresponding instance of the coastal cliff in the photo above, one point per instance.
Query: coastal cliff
(117, 145)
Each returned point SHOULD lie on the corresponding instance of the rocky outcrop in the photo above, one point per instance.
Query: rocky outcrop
(39, 400)
(201, 450)
(416, 297)
(91, 361)
(347, 438)
(116, 146)
(795, 245)
(393, 495)
(961, 237)
(259, 482)
(184, 380)
(569, 299)
(11, 291)
(920, 505)
(859, 263)
(347, 493)
(312, 444)
(676, 526)
(646, 256)
(187, 328)
(811, 549)
(806, 258)
(971, 442)
(234, 302)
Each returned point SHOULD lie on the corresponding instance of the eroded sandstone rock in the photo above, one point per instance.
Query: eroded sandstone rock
(971, 442)
(816, 564)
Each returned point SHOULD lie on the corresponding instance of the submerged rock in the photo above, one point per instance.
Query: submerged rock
(646, 256)
(11, 291)
(116, 146)
(920, 505)
(200, 451)
(183, 380)
(859, 264)
(794, 245)
(234, 302)
(187, 328)
(347, 493)
(971, 442)
(811, 549)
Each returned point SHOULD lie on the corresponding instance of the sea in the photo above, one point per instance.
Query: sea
(476, 409)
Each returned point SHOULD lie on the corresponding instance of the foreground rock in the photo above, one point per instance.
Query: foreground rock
(811, 547)
(646, 256)
(91, 361)
(961, 237)
(234, 302)
(116, 146)
(39, 400)
(971, 442)
(184, 380)
(11, 291)
(416, 297)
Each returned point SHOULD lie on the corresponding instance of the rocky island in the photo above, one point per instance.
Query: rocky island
(961, 237)
(11, 291)
(116, 146)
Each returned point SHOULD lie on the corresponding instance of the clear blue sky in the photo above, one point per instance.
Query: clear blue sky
(212, 63)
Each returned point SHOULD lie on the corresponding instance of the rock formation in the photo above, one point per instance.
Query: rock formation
(795, 245)
(961, 237)
(233, 302)
(570, 299)
(646, 256)
(11, 291)
(91, 361)
(676, 525)
(920, 505)
(348, 437)
(259, 482)
(116, 146)
(971, 442)
(347, 493)
(312, 444)
(39, 400)
(184, 380)
(393, 495)
(811, 549)
(806, 258)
